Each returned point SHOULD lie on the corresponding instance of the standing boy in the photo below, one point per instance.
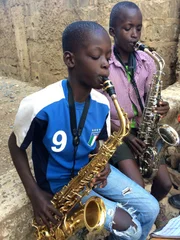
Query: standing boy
(45, 119)
(127, 65)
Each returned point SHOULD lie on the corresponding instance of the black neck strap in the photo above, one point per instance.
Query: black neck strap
(131, 68)
(76, 131)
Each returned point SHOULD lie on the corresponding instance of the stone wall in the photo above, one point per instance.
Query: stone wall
(30, 34)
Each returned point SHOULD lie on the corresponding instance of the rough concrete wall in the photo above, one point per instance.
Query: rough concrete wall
(161, 30)
(31, 31)
(178, 62)
(8, 51)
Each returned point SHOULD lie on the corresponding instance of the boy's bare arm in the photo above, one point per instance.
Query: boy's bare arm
(21, 163)
(43, 208)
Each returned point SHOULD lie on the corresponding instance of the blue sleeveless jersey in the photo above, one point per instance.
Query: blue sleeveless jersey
(43, 119)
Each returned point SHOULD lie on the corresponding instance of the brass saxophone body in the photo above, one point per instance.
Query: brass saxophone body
(156, 136)
(92, 214)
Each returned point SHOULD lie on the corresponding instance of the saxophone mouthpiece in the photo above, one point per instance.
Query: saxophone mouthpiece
(108, 86)
(140, 46)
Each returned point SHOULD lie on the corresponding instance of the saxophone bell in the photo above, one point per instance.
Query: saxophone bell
(165, 136)
(91, 215)
(94, 214)
(168, 135)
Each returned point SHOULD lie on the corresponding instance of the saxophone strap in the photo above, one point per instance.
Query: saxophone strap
(131, 68)
(76, 131)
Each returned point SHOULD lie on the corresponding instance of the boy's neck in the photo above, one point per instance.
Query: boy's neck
(80, 93)
(123, 55)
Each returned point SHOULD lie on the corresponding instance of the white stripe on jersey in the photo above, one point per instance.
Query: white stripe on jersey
(31, 105)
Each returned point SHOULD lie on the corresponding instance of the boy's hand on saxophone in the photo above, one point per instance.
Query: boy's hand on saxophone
(162, 108)
(44, 211)
(136, 144)
(101, 179)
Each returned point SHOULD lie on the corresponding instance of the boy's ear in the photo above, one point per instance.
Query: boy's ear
(111, 32)
(69, 59)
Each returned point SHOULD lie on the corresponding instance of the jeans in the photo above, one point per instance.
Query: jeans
(122, 192)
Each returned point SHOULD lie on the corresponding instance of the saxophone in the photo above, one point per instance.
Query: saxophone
(156, 136)
(92, 214)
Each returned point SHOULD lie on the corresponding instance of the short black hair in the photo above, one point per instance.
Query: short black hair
(118, 9)
(75, 34)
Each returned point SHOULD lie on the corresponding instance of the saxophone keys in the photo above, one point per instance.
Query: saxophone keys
(59, 235)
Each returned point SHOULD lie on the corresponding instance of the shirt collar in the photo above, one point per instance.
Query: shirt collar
(139, 56)
(114, 60)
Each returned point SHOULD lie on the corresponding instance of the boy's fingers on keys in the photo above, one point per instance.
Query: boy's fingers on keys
(55, 211)
(39, 220)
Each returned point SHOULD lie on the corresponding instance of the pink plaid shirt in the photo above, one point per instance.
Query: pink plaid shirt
(145, 68)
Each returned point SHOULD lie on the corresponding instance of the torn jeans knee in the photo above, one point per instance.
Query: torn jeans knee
(132, 233)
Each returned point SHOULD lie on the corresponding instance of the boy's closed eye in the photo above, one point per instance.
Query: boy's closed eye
(127, 29)
(95, 57)
(139, 28)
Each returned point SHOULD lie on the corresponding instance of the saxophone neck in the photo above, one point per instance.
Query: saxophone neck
(156, 56)
(124, 122)
(160, 66)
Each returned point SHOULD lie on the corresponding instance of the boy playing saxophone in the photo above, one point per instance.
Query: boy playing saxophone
(63, 122)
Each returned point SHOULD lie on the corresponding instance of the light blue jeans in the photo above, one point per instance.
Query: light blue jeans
(127, 194)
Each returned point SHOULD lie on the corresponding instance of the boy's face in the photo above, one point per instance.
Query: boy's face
(91, 60)
(128, 30)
